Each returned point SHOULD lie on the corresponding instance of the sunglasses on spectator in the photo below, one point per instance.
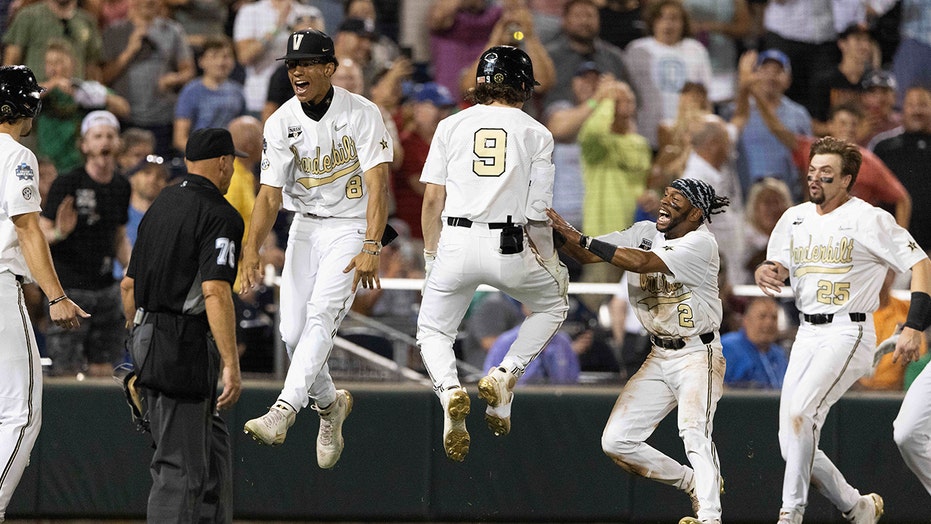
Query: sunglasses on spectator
(304, 62)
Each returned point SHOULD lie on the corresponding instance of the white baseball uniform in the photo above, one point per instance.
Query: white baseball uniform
(320, 166)
(837, 263)
(20, 369)
(912, 428)
(683, 308)
(496, 163)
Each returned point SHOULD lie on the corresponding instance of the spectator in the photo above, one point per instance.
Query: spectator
(211, 100)
(459, 30)
(621, 21)
(556, 364)
(842, 83)
(490, 315)
(354, 39)
(767, 200)
(754, 357)
(888, 375)
(908, 156)
(878, 99)
(760, 154)
(710, 160)
(564, 118)
(615, 170)
(147, 60)
(580, 43)
(135, 145)
(673, 147)
(661, 63)
(83, 253)
(260, 32)
(384, 50)
(429, 104)
(720, 25)
(200, 19)
(516, 28)
(146, 181)
(912, 61)
(349, 76)
(36, 24)
(547, 18)
(65, 102)
(803, 30)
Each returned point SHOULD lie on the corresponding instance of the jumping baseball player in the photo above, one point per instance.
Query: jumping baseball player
(674, 286)
(25, 258)
(325, 157)
(912, 427)
(835, 251)
(489, 177)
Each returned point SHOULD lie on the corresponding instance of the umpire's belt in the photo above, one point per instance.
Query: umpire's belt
(827, 318)
(679, 343)
(465, 222)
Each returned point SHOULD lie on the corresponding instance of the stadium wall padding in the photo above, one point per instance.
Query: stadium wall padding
(91, 463)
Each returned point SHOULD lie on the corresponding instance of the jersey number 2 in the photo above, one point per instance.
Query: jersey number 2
(489, 148)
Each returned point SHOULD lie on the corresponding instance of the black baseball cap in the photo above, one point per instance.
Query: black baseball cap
(211, 142)
(309, 43)
(879, 78)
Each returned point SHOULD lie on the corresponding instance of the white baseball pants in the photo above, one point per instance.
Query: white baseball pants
(912, 428)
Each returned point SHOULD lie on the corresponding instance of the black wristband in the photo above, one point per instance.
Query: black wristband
(919, 311)
(604, 250)
(57, 300)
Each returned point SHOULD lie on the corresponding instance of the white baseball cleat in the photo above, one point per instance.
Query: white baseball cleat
(867, 510)
(271, 428)
(456, 406)
(330, 436)
(886, 346)
(693, 520)
(790, 517)
(496, 389)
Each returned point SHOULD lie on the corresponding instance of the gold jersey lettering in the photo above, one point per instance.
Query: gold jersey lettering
(830, 252)
(324, 168)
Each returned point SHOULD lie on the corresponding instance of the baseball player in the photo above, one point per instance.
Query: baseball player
(325, 157)
(912, 427)
(489, 179)
(25, 258)
(835, 250)
(674, 287)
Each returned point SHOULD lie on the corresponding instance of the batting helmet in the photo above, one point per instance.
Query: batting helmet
(19, 93)
(506, 65)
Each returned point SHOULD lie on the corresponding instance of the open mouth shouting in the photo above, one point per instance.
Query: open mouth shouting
(663, 218)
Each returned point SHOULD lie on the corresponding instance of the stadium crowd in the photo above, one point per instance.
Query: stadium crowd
(636, 94)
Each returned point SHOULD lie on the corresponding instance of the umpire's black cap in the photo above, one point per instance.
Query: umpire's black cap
(211, 142)
(309, 43)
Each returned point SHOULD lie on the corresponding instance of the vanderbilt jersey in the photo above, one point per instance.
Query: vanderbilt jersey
(837, 262)
(320, 165)
(19, 194)
(505, 168)
(685, 303)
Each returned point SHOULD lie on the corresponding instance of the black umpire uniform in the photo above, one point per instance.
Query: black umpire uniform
(190, 235)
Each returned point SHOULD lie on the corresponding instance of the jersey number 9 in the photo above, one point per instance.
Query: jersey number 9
(490, 146)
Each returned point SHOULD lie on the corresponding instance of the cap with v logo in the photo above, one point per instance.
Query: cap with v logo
(309, 43)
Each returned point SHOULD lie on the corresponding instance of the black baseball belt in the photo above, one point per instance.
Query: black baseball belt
(679, 343)
(827, 318)
(465, 222)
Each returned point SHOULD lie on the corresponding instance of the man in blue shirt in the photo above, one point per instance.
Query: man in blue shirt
(754, 359)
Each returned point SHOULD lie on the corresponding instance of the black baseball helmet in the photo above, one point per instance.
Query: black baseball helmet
(506, 65)
(20, 94)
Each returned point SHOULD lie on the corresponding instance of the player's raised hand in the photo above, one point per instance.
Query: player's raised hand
(366, 266)
(767, 278)
(251, 271)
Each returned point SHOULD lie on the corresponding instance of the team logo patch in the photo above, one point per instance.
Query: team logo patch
(27, 193)
(646, 244)
(265, 164)
(24, 172)
(498, 78)
(294, 131)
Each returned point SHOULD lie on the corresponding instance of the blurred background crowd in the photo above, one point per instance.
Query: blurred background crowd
(636, 94)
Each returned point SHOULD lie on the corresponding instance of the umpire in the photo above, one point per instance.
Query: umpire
(177, 294)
